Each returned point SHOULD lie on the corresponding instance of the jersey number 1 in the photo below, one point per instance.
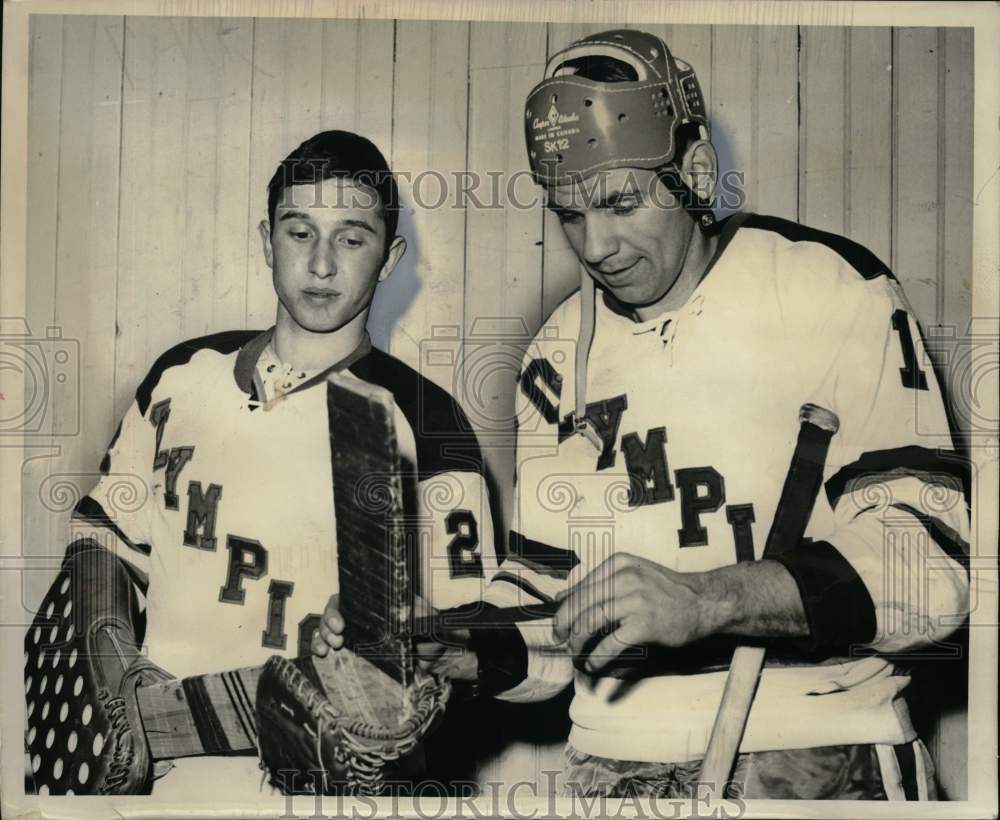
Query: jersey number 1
(913, 377)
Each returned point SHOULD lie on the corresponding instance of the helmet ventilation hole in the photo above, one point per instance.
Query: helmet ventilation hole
(592, 142)
(622, 117)
(555, 98)
(588, 102)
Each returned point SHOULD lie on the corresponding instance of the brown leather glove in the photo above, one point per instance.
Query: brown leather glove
(339, 724)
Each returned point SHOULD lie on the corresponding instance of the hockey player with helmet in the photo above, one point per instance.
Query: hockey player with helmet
(650, 465)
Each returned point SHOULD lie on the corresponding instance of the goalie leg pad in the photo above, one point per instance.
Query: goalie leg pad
(82, 666)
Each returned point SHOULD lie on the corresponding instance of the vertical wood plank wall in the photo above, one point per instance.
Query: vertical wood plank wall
(151, 141)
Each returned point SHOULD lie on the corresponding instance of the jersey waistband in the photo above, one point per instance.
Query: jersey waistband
(669, 718)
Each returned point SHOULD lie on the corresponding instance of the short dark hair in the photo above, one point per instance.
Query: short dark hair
(602, 69)
(333, 154)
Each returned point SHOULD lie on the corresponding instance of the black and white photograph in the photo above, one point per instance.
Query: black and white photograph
(464, 409)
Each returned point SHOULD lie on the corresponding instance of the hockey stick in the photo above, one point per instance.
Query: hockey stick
(475, 616)
(214, 713)
(802, 483)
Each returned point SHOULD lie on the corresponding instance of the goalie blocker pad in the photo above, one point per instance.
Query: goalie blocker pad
(82, 666)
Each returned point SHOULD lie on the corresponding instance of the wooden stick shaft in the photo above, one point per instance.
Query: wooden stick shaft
(730, 720)
(791, 517)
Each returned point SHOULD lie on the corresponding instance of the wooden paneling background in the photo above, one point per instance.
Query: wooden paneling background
(152, 140)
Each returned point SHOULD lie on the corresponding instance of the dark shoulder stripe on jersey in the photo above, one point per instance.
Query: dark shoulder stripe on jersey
(950, 542)
(866, 263)
(444, 437)
(90, 510)
(923, 463)
(224, 343)
(544, 559)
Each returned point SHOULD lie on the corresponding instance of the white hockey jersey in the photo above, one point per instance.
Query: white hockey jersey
(698, 416)
(222, 503)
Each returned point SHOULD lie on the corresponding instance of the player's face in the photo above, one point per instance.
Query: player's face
(629, 232)
(327, 251)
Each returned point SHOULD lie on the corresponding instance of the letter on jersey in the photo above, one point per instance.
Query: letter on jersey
(277, 593)
(647, 468)
(158, 415)
(247, 559)
(176, 459)
(202, 508)
(540, 368)
(741, 516)
(694, 502)
(606, 416)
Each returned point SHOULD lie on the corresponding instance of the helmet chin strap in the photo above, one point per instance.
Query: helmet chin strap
(588, 307)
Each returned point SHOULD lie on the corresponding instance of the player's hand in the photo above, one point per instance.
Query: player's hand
(448, 661)
(631, 601)
(330, 634)
(450, 657)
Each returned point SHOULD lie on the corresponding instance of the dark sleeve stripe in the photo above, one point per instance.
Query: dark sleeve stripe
(89, 510)
(928, 465)
(520, 583)
(502, 656)
(224, 343)
(839, 610)
(545, 559)
(866, 263)
(445, 439)
(950, 542)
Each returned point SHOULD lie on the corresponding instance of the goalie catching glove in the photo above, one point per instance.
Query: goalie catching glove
(341, 724)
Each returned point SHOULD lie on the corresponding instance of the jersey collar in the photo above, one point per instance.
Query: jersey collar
(245, 369)
(726, 228)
